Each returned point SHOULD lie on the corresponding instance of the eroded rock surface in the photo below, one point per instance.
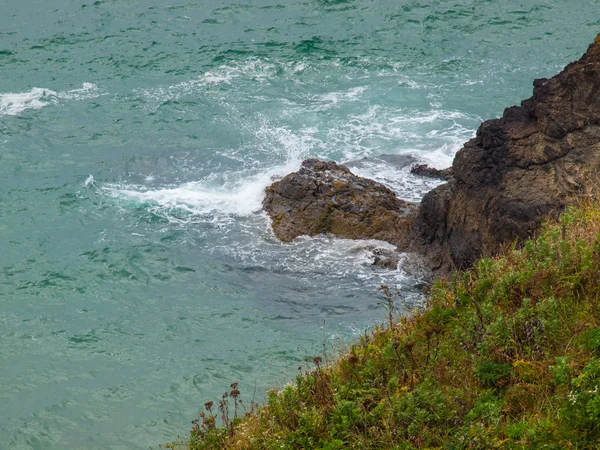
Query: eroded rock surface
(518, 169)
(325, 197)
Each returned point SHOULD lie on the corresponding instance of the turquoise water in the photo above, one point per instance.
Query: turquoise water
(138, 276)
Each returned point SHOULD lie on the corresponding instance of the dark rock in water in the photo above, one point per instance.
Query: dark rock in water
(398, 161)
(363, 162)
(425, 170)
(324, 197)
(385, 258)
(518, 169)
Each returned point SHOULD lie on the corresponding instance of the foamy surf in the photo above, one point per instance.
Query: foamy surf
(256, 75)
(234, 76)
(345, 261)
(239, 193)
(329, 100)
(13, 104)
(405, 185)
(234, 195)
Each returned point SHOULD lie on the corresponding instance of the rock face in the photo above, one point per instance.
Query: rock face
(324, 197)
(518, 169)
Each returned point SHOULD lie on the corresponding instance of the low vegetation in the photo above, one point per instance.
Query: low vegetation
(506, 355)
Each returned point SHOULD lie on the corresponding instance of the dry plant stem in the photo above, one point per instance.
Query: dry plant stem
(390, 298)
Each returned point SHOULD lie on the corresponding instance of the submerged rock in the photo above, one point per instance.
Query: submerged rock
(519, 169)
(396, 161)
(325, 197)
(384, 258)
(425, 170)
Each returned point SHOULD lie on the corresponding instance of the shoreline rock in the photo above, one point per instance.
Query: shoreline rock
(325, 197)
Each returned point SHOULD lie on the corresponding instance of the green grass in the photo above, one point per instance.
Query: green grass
(506, 355)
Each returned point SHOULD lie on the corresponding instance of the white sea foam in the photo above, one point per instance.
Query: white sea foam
(211, 78)
(224, 195)
(236, 193)
(332, 99)
(345, 261)
(373, 131)
(252, 69)
(235, 199)
(405, 185)
(431, 135)
(220, 196)
(88, 90)
(13, 104)
(403, 80)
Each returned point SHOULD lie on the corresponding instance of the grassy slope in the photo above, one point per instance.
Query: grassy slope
(504, 356)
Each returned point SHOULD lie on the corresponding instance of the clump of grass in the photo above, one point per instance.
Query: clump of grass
(506, 355)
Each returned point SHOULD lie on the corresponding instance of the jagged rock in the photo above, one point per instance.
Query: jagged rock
(324, 197)
(518, 169)
(425, 170)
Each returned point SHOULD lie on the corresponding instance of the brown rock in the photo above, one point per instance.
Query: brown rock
(324, 197)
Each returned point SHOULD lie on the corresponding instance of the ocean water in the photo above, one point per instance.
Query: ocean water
(138, 275)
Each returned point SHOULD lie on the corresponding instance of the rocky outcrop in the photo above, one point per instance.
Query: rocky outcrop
(532, 162)
(325, 197)
(519, 169)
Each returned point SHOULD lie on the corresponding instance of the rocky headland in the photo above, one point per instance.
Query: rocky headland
(517, 171)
